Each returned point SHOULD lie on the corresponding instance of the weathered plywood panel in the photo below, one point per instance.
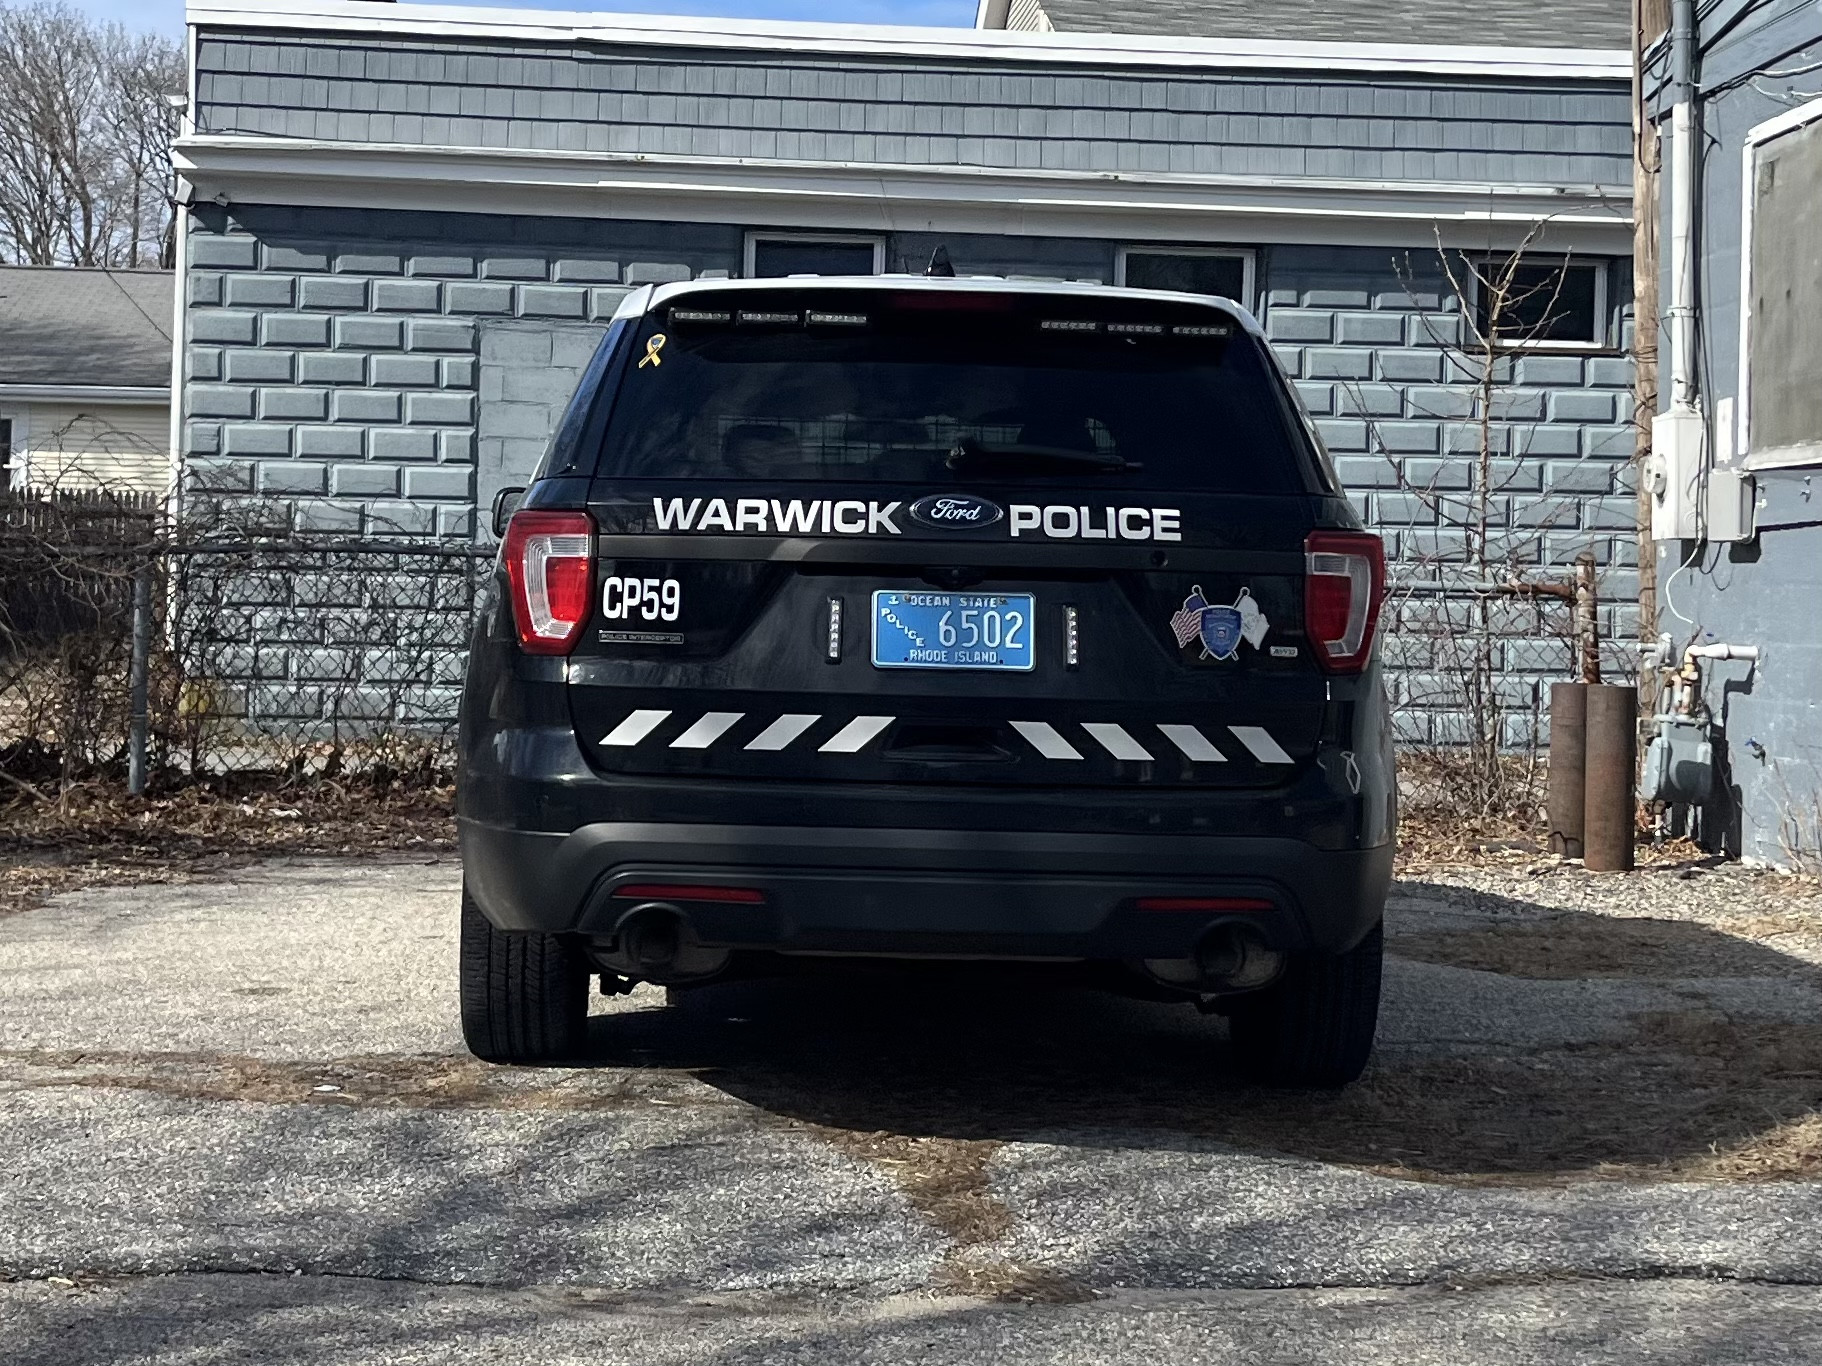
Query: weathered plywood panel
(1786, 391)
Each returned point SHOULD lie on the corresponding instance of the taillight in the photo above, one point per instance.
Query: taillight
(1343, 587)
(550, 563)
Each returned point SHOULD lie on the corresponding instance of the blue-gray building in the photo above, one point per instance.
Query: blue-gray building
(407, 225)
(1736, 91)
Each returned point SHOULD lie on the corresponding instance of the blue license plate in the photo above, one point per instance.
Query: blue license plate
(952, 631)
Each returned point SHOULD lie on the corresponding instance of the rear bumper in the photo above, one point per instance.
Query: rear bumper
(929, 892)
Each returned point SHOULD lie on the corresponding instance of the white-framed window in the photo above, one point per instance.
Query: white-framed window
(773, 254)
(1779, 409)
(1224, 271)
(1551, 303)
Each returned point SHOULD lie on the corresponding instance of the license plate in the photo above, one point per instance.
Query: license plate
(952, 631)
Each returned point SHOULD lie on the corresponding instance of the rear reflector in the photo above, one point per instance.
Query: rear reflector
(550, 564)
(1343, 589)
(1204, 903)
(664, 891)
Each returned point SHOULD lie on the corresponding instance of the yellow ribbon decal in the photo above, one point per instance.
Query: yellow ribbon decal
(652, 348)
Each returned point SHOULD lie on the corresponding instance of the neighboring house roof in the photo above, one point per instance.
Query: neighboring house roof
(72, 327)
(1468, 23)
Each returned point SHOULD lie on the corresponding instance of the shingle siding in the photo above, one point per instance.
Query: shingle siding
(1491, 23)
(652, 103)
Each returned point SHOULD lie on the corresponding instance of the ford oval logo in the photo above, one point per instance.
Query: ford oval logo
(955, 512)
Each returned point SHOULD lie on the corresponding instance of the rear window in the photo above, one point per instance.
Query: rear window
(925, 386)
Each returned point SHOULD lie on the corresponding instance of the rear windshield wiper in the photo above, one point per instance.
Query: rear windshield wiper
(969, 452)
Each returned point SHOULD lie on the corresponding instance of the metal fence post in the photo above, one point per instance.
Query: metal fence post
(138, 679)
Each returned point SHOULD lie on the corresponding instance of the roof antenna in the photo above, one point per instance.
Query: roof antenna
(939, 267)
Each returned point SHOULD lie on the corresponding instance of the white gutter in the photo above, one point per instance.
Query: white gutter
(462, 22)
(883, 198)
(85, 393)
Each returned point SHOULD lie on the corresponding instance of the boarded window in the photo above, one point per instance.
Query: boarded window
(774, 257)
(1191, 272)
(1785, 400)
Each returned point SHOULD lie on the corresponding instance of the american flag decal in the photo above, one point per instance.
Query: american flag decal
(1186, 624)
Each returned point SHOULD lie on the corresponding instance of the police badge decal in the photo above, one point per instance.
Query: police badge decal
(1221, 628)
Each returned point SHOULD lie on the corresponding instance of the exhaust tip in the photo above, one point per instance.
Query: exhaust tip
(653, 942)
(1237, 958)
(1229, 957)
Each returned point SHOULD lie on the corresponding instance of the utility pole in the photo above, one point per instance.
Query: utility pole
(1650, 19)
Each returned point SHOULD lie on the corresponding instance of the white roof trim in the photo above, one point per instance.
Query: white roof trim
(801, 39)
(885, 198)
(84, 393)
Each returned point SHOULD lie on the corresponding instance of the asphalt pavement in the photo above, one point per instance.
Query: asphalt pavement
(238, 1125)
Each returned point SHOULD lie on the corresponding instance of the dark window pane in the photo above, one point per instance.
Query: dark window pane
(889, 392)
(1190, 274)
(1545, 302)
(773, 258)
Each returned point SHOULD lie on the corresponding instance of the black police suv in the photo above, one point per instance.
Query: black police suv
(931, 619)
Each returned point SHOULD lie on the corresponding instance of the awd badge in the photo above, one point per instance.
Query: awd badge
(1221, 628)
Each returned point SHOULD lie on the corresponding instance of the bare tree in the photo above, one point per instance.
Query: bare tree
(85, 132)
(1468, 589)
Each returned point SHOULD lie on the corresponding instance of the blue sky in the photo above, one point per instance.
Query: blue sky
(168, 14)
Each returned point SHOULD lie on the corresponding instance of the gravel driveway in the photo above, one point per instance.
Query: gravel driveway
(239, 1125)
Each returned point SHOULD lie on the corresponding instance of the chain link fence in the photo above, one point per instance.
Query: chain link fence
(126, 651)
(130, 654)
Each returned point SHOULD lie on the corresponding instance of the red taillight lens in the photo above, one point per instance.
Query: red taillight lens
(550, 563)
(1343, 587)
(1203, 903)
(668, 891)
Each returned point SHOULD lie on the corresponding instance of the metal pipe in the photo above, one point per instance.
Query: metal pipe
(1587, 618)
(1612, 778)
(138, 681)
(1722, 651)
(1685, 166)
(1568, 766)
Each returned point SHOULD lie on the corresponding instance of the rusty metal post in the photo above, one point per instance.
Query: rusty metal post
(1568, 766)
(138, 676)
(1612, 778)
(1587, 619)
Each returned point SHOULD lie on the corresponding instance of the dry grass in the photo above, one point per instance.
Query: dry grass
(93, 834)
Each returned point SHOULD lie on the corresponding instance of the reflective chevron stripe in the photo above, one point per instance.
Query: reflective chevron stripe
(782, 732)
(1260, 745)
(1045, 740)
(708, 730)
(635, 728)
(1116, 741)
(855, 736)
(1194, 744)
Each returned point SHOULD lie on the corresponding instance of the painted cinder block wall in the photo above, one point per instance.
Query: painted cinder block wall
(380, 374)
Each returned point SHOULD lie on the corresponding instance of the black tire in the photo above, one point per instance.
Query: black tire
(1314, 1026)
(524, 996)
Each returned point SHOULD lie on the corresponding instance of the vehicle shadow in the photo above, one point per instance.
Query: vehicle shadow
(1518, 1043)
